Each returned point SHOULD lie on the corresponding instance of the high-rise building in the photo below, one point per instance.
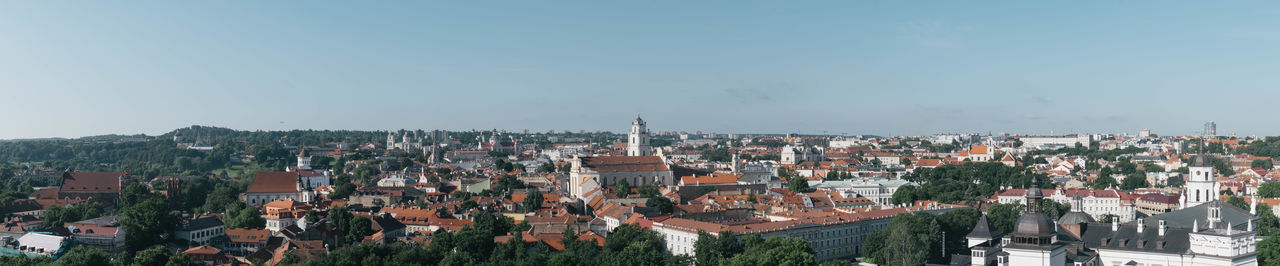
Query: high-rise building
(1210, 129)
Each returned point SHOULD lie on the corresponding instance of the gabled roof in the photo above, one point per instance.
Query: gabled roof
(274, 182)
(983, 229)
(609, 164)
(91, 182)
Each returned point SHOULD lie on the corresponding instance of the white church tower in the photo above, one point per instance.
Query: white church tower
(638, 139)
(1200, 186)
(304, 159)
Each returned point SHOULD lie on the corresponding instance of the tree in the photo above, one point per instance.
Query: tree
(1134, 181)
(152, 256)
(134, 194)
(360, 227)
(1054, 209)
(147, 222)
(662, 203)
(1269, 251)
(798, 184)
(83, 256)
(1107, 218)
(622, 188)
(533, 201)
(1003, 216)
(711, 249)
(774, 251)
(649, 191)
(1269, 190)
(904, 195)
(918, 239)
(1103, 182)
(239, 216)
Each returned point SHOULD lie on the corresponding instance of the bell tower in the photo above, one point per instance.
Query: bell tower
(638, 139)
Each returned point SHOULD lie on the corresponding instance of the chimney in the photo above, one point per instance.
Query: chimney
(1250, 225)
(1163, 227)
(1195, 226)
(1115, 225)
(1141, 224)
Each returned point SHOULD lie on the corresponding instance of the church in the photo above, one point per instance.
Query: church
(640, 167)
(1211, 233)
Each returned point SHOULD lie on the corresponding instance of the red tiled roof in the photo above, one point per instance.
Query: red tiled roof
(202, 250)
(609, 164)
(91, 182)
(246, 235)
(717, 178)
(274, 182)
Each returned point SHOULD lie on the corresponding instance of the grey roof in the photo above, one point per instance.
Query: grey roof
(1033, 224)
(202, 223)
(1186, 218)
(1201, 160)
(1175, 240)
(110, 220)
(983, 229)
(1075, 218)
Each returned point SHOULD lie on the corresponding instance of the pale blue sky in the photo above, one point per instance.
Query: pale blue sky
(72, 68)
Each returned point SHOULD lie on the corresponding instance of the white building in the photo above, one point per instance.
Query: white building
(1175, 238)
(796, 154)
(201, 230)
(1096, 203)
(878, 190)
(270, 186)
(831, 235)
(1200, 186)
(638, 139)
(1053, 142)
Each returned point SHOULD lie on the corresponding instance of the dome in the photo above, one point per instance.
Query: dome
(1075, 218)
(1035, 193)
(1033, 224)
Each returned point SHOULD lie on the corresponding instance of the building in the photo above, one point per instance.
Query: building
(878, 190)
(1096, 202)
(103, 187)
(979, 153)
(43, 244)
(638, 139)
(832, 235)
(270, 186)
(406, 142)
(242, 241)
(201, 230)
(1210, 128)
(608, 170)
(282, 213)
(208, 255)
(1157, 203)
(1208, 234)
(1054, 142)
(1200, 187)
(792, 155)
(109, 239)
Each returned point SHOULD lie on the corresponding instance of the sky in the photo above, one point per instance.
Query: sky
(81, 68)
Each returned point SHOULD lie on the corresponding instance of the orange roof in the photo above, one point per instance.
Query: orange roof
(202, 250)
(978, 149)
(716, 178)
(248, 235)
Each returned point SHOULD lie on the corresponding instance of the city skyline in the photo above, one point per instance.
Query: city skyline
(743, 67)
